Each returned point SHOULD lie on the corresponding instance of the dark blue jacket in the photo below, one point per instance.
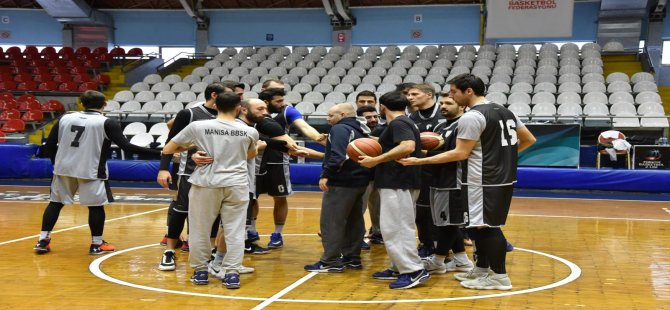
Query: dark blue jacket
(340, 170)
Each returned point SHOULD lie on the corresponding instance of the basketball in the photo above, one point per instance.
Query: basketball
(431, 140)
(363, 147)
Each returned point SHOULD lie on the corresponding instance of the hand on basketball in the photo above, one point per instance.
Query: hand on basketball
(409, 161)
(367, 161)
(323, 184)
(200, 158)
(164, 178)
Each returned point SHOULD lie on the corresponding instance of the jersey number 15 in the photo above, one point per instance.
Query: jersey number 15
(508, 132)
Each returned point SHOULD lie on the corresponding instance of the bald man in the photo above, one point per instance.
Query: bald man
(343, 183)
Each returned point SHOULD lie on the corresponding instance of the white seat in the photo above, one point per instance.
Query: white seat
(595, 97)
(293, 96)
(180, 87)
(385, 88)
(648, 96)
(351, 79)
(526, 62)
(194, 103)
(305, 108)
(594, 87)
(643, 86)
(523, 78)
(501, 78)
(165, 96)
(613, 46)
(212, 64)
(161, 140)
(572, 87)
(302, 88)
(360, 72)
(591, 46)
(569, 97)
(617, 76)
(595, 109)
(198, 87)
(519, 98)
(249, 79)
(313, 97)
(621, 108)
(543, 112)
(543, 97)
(173, 106)
(376, 80)
(661, 122)
(368, 87)
(151, 107)
(152, 79)
(337, 71)
(337, 97)
(590, 60)
(569, 110)
(144, 96)
(546, 78)
(239, 71)
(499, 87)
(569, 69)
(219, 71)
(159, 87)
(459, 70)
(544, 87)
(392, 79)
(379, 71)
(222, 57)
(142, 139)
(524, 70)
(496, 97)
(417, 71)
(592, 69)
(626, 120)
(191, 79)
(593, 77)
(571, 61)
(522, 87)
(549, 62)
(135, 128)
(139, 86)
(318, 71)
(185, 96)
(323, 108)
(172, 78)
(123, 96)
(642, 76)
(433, 79)
(619, 86)
(549, 70)
(290, 79)
(570, 77)
(131, 106)
(416, 79)
(622, 96)
(520, 109)
(112, 105)
(323, 88)
(481, 70)
(345, 88)
(503, 70)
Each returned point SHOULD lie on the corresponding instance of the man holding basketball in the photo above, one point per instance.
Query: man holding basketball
(398, 191)
(343, 183)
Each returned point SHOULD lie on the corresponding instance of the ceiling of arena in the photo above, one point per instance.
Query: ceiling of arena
(230, 4)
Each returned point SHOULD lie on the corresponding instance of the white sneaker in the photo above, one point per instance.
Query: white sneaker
(489, 282)
(455, 265)
(241, 270)
(433, 266)
(473, 274)
(167, 261)
(244, 269)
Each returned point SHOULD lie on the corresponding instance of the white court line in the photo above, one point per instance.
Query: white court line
(603, 199)
(590, 217)
(575, 273)
(285, 291)
(82, 226)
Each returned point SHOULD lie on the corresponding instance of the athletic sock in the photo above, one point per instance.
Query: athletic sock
(218, 258)
(252, 227)
(45, 234)
(96, 240)
(279, 228)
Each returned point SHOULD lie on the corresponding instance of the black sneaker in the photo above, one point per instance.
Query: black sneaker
(167, 261)
(200, 277)
(352, 264)
(43, 246)
(376, 239)
(254, 248)
(104, 247)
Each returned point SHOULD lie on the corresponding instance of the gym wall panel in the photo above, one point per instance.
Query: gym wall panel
(155, 27)
(252, 27)
(453, 24)
(30, 27)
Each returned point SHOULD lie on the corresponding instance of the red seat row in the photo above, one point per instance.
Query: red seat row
(28, 116)
(13, 126)
(67, 86)
(68, 53)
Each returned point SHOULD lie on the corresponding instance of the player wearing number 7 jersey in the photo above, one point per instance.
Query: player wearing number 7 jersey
(489, 138)
(78, 147)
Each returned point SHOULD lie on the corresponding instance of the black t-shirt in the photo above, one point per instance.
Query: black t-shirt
(391, 174)
(267, 127)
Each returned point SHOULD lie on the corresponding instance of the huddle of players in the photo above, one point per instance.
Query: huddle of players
(467, 182)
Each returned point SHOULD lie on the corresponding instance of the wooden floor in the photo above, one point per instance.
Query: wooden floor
(620, 251)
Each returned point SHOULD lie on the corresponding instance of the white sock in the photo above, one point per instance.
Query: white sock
(252, 228)
(218, 259)
(279, 228)
(461, 257)
(96, 240)
(45, 234)
(439, 259)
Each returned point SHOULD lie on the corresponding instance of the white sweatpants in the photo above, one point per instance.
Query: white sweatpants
(396, 221)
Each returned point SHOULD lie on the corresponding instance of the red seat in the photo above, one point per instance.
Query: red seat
(135, 52)
(37, 70)
(104, 57)
(27, 97)
(7, 85)
(49, 50)
(67, 86)
(117, 51)
(62, 78)
(33, 116)
(14, 125)
(5, 70)
(7, 97)
(8, 104)
(81, 78)
(102, 79)
(65, 50)
(13, 50)
(41, 78)
(53, 105)
(47, 86)
(60, 70)
(27, 86)
(10, 114)
(29, 105)
(23, 77)
(2, 135)
(92, 63)
(88, 86)
(6, 77)
(99, 50)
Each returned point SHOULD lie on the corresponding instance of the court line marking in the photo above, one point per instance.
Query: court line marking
(575, 273)
(285, 291)
(82, 226)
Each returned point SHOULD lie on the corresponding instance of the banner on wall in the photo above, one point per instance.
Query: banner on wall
(529, 18)
(556, 146)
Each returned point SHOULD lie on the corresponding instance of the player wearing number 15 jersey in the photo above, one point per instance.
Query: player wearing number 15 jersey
(78, 146)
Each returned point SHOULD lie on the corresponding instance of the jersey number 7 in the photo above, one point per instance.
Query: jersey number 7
(79, 131)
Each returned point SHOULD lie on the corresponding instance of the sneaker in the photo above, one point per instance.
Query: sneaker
(254, 248)
(164, 240)
(387, 274)
(43, 246)
(231, 280)
(167, 262)
(321, 267)
(509, 247)
(489, 282)
(474, 273)
(455, 265)
(213, 269)
(376, 239)
(425, 251)
(184, 246)
(352, 264)
(365, 246)
(200, 277)
(217, 270)
(104, 247)
(433, 266)
(276, 241)
(253, 236)
(243, 269)
(409, 280)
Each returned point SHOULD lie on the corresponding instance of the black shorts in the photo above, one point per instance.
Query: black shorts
(276, 181)
(488, 205)
(183, 187)
(424, 196)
